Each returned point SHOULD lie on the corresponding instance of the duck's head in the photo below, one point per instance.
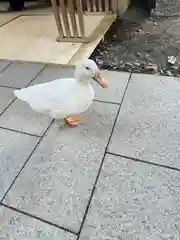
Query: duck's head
(87, 70)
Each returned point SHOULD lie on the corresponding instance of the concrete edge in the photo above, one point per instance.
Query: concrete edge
(87, 48)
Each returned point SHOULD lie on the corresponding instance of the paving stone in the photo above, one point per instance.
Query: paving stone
(19, 74)
(148, 125)
(134, 201)
(3, 64)
(6, 97)
(16, 226)
(114, 93)
(117, 83)
(15, 148)
(51, 72)
(57, 181)
(20, 117)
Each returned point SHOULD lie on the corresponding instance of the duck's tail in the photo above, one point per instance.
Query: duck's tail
(20, 94)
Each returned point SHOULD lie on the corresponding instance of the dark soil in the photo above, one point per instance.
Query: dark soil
(138, 44)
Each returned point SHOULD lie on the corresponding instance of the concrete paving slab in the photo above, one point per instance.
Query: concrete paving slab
(16, 226)
(134, 201)
(6, 97)
(148, 125)
(57, 181)
(52, 72)
(15, 148)
(117, 82)
(19, 74)
(6, 18)
(41, 30)
(3, 64)
(117, 85)
(20, 117)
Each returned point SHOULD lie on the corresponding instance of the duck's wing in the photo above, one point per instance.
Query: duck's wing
(46, 94)
(43, 89)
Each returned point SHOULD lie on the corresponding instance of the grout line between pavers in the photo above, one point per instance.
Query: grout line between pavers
(16, 131)
(26, 162)
(8, 106)
(10, 63)
(44, 66)
(37, 218)
(19, 88)
(25, 86)
(103, 158)
(102, 101)
(12, 88)
(11, 20)
(143, 161)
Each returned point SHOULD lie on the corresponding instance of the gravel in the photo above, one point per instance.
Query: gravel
(137, 44)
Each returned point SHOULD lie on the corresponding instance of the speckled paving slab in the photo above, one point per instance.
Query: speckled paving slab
(3, 64)
(6, 97)
(114, 93)
(19, 74)
(15, 148)
(134, 201)
(20, 117)
(58, 179)
(5, 18)
(16, 226)
(148, 125)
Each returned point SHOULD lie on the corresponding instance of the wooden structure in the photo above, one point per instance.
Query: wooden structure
(69, 16)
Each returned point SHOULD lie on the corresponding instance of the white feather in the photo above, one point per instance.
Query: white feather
(62, 97)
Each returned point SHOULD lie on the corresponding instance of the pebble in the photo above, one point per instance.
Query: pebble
(166, 236)
(171, 60)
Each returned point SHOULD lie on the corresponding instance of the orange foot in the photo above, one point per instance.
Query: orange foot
(72, 121)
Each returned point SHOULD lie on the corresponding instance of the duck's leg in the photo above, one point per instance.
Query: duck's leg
(72, 121)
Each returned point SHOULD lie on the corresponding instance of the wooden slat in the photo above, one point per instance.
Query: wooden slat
(73, 18)
(80, 17)
(88, 5)
(94, 5)
(57, 17)
(114, 5)
(107, 5)
(100, 5)
(65, 18)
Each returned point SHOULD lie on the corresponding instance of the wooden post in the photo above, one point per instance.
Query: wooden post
(80, 17)
(122, 6)
(55, 10)
(73, 18)
(114, 6)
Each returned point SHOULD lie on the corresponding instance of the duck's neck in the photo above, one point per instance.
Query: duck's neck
(82, 80)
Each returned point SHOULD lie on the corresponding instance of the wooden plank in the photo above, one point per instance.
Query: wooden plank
(122, 6)
(114, 5)
(88, 5)
(65, 18)
(100, 5)
(107, 5)
(80, 17)
(94, 5)
(57, 17)
(73, 18)
(98, 33)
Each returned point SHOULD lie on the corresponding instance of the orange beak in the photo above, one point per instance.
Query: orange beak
(102, 82)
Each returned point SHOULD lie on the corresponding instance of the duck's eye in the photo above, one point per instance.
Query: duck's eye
(87, 68)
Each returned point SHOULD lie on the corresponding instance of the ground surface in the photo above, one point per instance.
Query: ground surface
(36, 24)
(116, 176)
(139, 45)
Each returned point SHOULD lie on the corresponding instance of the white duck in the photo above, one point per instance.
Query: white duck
(66, 97)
